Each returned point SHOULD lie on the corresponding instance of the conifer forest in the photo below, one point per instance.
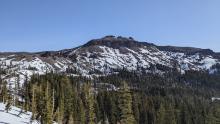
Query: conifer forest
(122, 98)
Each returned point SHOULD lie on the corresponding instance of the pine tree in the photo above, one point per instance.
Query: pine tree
(60, 109)
(60, 115)
(135, 108)
(125, 105)
(48, 108)
(160, 115)
(46, 112)
(9, 100)
(53, 100)
(16, 90)
(33, 103)
(4, 92)
(91, 105)
(70, 120)
(81, 112)
(171, 115)
(26, 94)
(88, 99)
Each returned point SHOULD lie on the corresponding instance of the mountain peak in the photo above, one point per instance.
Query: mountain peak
(115, 42)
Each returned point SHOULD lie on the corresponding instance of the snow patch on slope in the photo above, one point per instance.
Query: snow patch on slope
(208, 62)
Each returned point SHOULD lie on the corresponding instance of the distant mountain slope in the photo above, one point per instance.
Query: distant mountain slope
(106, 56)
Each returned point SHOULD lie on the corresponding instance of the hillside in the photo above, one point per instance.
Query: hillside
(106, 56)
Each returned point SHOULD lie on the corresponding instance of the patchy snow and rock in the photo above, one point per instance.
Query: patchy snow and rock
(101, 57)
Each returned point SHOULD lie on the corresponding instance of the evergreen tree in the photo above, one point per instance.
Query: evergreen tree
(161, 115)
(135, 108)
(60, 108)
(169, 117)
(48, 106)
(26, 93)
(4, 92)
(125, 105)
(91, 107)
(88, 99)
(70, 120)
(81, 112)
(16, 90)
(33, 103)
(9, 100)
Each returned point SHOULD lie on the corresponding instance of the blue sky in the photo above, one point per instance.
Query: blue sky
(36, 25)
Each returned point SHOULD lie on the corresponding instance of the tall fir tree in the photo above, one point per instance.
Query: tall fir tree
(160, 115)
(4, 92)
(88, 100)
(9, 99)
(48, 108)
(33, 102)
(125, 105)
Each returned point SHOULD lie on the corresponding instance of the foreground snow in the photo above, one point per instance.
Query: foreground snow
(13, 117)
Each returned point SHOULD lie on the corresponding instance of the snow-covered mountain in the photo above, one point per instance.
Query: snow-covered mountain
(105, 56)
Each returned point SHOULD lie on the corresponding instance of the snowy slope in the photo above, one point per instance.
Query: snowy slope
(13, 117)
(105, 56)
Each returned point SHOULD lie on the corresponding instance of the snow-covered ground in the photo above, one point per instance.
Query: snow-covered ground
(13, 117)
(215, 99)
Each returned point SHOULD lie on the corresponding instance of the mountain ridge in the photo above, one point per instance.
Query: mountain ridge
(104, 41)
(107, 55)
